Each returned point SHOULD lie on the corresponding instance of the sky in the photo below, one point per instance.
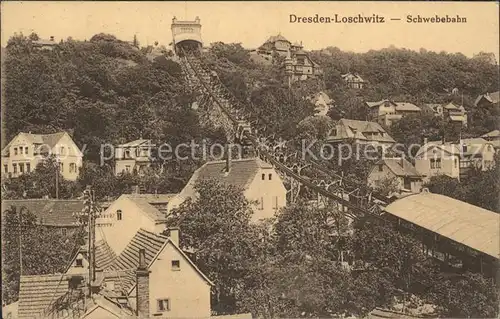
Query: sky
(251, 23)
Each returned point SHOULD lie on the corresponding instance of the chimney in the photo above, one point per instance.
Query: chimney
(52, 38)
(142, 289)
(136, 189)
(443, 140)
(228, 158)
(426, 140)
(174, 235)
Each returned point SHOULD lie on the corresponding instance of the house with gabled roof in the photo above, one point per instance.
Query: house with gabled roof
(23, 153)
(494, 138)
(387, 112)
(258, 180)
(488, 99)
(360, 132)
(407, 178)
(119, 223)
(60, 215)
(134, 157)
(170, 286)
(448, 111)
(353, 80)
(454, 159)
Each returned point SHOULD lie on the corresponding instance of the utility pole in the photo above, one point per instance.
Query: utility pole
(20, 221)
(89, 202)
(57, 178)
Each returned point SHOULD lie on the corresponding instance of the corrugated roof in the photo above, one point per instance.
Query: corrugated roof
(400, 167)
(37, 292)
(241, 173)
(49, 212)
(461, 222)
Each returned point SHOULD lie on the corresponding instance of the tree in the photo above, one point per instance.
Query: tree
(216, 227)
(469, 295)
(24, 239)
(386, 186)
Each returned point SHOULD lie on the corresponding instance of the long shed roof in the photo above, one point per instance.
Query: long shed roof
(461, 222)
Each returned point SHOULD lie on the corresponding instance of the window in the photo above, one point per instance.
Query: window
(15, 167)
(464, 148)
(438, 163)
(64, 231)
(380, 168)
(333, 132)
(407, 183)
(456, 163)
(261, 207)
(6, 169)
(21, 150)
(79, 262)
(163, 305)
(26, 150)
(15, 150)
(62, 151)
(176, 265)
(263, 177)
(72, 168)
(270, 176)
(61, 167)
(127, 168)
(28, 167)
(119, 214)
(21, 167)
(127, 153)
(275, 202)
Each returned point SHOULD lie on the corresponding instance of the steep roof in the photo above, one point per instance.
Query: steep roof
(378, 103)
(474, 146)
(104, 255)
(36, 293)
(127, 262)
(493, 98)
(459, 221)
(352, 77)
(241, 174)
(400, 167)
(275, 38)
(450, 106)
(347, 129)
(50, 140)
(49, 212)
(154, 205)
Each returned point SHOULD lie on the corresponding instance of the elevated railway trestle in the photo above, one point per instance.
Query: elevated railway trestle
(240, 123)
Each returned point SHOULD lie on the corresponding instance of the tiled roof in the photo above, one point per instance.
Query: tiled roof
(355, 129)
(154, 205)
(49, 212)
(459, 221)
(104, 255)
(241, 173)
(122, 270)
(36, 293)
(400, 167)
(128, 259)
(37, 139)
(474, 146)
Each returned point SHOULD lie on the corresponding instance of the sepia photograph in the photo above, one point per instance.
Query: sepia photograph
(250, 159)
